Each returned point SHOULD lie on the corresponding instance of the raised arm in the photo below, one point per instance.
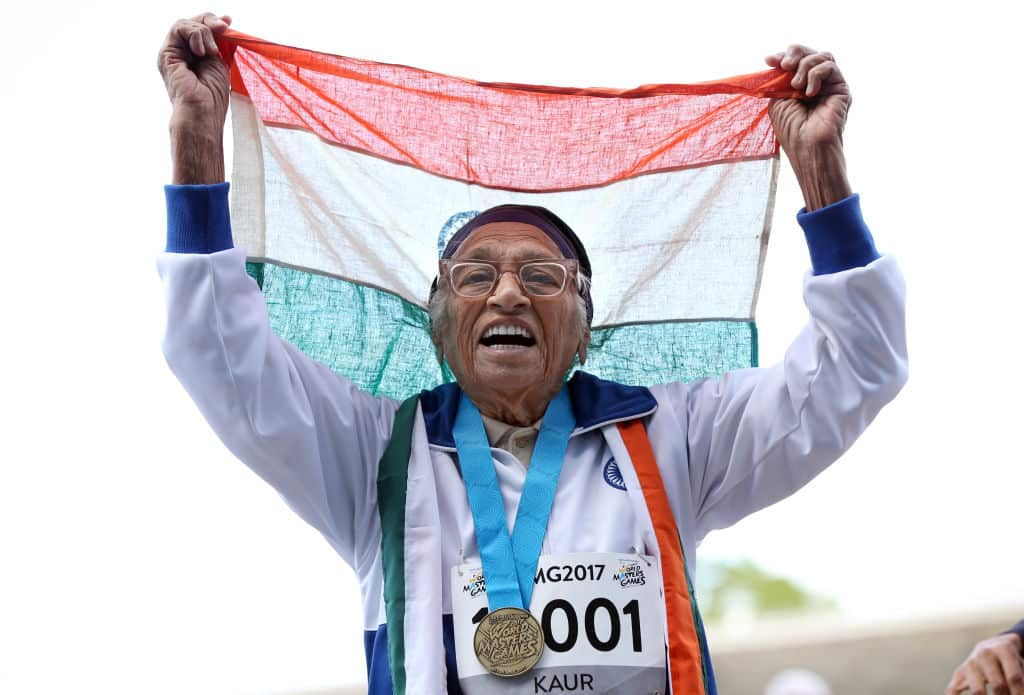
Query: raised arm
(197, 85)
(757, 435)
(311, 434)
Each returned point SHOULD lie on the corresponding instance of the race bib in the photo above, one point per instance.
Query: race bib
(601, 614)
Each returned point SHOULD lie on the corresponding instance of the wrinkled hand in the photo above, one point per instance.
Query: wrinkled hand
(818, 120)
(810, 130)
(198, 87)
(195, 77)
(996, 662)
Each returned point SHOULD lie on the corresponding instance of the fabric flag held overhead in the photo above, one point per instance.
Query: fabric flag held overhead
(350, 175)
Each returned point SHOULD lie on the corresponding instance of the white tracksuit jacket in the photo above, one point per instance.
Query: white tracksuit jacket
(725, 447)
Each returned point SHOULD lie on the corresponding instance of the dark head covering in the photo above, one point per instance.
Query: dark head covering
(541, 218)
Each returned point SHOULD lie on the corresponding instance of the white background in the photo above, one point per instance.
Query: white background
(138, 556)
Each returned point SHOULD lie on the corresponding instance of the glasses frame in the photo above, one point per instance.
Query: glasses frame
(571, 266)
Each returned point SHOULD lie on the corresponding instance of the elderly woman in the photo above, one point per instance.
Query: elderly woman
(514, 532)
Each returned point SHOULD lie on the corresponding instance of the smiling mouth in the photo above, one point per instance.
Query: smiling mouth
(507, 337)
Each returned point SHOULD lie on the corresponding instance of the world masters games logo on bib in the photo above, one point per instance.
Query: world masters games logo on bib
(630, 574)
(476, 584)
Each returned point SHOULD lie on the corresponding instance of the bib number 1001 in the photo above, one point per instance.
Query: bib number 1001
(599, 605)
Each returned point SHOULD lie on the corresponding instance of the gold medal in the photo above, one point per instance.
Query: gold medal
(508, 642)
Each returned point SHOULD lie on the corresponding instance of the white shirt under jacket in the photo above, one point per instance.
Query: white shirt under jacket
(726, 447)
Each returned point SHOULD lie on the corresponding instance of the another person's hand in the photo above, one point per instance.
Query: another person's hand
(198, 87)
(996, 662)
(810, 130)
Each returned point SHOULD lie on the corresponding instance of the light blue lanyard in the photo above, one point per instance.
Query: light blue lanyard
(509, 563)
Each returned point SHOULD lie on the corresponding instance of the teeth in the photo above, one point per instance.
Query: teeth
(507, 330)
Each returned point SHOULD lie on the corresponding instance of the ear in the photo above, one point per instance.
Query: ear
(438, 345)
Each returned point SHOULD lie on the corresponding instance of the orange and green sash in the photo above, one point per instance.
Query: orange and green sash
(690, 670)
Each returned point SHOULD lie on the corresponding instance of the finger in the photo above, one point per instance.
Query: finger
(1013, 669)
(975, 679)
(215, 23)
(210, 43)
(805, 66)
(207, 20)
(774, 59)
(206, 24)
(794, 54)
(178, 36)
(172, 43)
(820, 75)
(196, 43)
(200, 39)
(188, 40)
(204, 17)
(957, 683)
(988, 661)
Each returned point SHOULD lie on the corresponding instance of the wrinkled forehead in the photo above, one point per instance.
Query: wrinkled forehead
(507, 241)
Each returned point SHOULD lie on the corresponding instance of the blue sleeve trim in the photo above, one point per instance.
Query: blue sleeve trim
(198, 219)
(837, 237)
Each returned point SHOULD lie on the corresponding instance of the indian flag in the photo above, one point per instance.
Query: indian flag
(350, 176)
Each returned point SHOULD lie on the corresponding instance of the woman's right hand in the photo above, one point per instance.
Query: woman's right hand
(197, 85)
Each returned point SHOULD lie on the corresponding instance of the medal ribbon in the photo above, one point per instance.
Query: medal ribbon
(510, 562)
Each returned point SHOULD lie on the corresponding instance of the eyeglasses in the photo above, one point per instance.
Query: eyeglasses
(476, 279)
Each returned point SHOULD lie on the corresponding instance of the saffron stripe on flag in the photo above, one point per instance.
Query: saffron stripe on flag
(521, 137)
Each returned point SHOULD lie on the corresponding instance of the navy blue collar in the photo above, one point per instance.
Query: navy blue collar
(594, 401)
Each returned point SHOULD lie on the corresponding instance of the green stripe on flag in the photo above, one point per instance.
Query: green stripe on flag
(659, 353)
(382, 342)
(373, 337)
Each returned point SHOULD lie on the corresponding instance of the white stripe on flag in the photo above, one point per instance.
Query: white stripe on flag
(669, 246)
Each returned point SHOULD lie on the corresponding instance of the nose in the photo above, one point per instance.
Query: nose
(507, 294)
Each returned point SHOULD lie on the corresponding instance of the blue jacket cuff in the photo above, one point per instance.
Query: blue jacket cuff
(198, 219)
(837, 237)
